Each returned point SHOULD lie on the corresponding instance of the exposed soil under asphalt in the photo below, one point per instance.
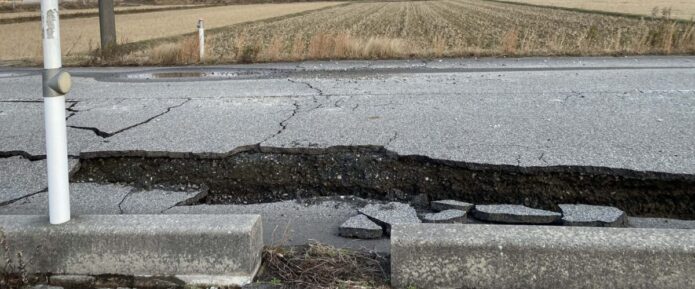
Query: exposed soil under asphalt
(261, 174)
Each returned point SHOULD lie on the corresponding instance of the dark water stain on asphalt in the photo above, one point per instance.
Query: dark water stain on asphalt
(262, 174)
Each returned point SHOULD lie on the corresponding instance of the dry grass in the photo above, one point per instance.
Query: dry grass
(377, 30)
(682, 9)
(323, 266)
(80, 35)
(443, 29)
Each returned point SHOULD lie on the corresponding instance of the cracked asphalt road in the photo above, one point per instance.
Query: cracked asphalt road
(633, 113)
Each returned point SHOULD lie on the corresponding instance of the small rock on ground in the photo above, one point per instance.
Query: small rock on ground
(514, 214)
(390, 214)
(360, 227)
(451, 205)
(589, 215)
(446, 216)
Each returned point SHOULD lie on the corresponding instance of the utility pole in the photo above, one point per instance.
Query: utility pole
(107, 24)
(56, 83)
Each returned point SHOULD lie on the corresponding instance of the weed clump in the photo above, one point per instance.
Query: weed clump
(322, 266)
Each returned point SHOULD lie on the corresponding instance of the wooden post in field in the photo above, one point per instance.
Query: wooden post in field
(107, 24)
(201, 40)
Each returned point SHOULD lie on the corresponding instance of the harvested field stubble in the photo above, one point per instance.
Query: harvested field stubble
(81, 35)
(682, 9)
(446, 28)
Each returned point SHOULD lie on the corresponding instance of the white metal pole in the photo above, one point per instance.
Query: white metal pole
(201, 40)
(56, 84)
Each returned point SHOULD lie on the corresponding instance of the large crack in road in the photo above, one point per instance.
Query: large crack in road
(263, 174)
(105, 134)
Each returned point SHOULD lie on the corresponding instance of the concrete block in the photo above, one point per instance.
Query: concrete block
(514, 214)
(446, 216)
(592, 216)
(443, 205)
(197, 248)
(360, 227)
(504, 256)
(387, 215)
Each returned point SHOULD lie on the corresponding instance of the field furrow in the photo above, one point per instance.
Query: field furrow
(371, 30)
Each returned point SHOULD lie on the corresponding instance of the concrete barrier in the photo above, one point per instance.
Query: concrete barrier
(196, 248)
(499, 256)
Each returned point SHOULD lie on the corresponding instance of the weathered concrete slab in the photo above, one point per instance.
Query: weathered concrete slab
(514, 214)
(637, 222)
(160, 245)
(360, 227)
(442, 205)
(446, 216)
(22, 130)
(157, 201)
(529, 257)
(85, 87)
(290, 223)
(387, 215)
(527, 112)
(205, 126)
(93, 198)
(20, 177)
(593, 216)
(487, 128)
(110, 116)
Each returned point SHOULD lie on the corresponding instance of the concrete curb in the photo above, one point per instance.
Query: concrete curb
(224, 249)
(499, 256)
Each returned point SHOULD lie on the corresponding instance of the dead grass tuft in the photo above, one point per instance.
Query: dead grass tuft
(183, 52)
(323, 266)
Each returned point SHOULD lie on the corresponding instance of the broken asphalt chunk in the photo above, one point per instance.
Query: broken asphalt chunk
(360, 227)
(389, 214)
(446, 216)
(451, 205)
(514, 214)
(595, 216)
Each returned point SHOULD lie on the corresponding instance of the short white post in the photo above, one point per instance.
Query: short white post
(56, 83)
(201, 40)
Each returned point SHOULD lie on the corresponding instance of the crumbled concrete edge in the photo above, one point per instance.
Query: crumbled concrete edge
(446, 216)
(443, 205)
(515, 214)
(361, 227)
(593, 216)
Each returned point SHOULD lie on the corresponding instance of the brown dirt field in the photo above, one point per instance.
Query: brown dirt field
(446, 28)
(682, 9)
(80, 35)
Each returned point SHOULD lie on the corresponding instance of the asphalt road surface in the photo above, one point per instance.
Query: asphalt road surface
(630, 113)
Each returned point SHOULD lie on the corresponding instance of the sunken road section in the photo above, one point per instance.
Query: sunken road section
(257, 174)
